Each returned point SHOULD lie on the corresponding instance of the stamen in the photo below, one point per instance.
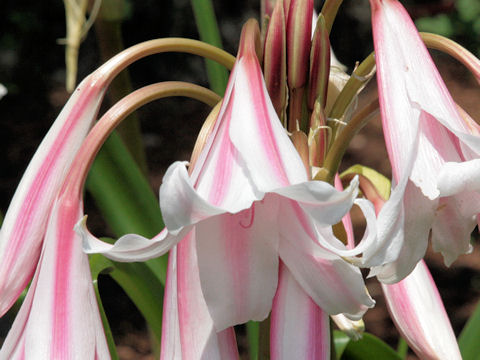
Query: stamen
(252, 216)
(337, 121)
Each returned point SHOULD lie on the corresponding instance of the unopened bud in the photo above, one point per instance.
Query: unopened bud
(299, 32)
(319, 65)
(275, 67)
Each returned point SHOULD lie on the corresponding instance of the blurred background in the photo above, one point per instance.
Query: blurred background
(32, 67)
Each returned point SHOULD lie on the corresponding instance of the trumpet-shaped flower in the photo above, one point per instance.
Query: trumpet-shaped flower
(414, 303)
(25, 222)
(249, 203)
(59, 318)
(424, 133)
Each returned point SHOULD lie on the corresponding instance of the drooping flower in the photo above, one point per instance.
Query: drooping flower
(59, 318)
(249, 203)
(25, 222)
(424, 134)
(414, 303)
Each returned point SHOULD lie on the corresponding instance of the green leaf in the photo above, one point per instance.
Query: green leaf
(139, 283)
(98, 266)
(469, 10)
(340, 341)
(468, 340)
(440, 24)
(381, 183)
(368, 348)
(402, 348)
(209, 33)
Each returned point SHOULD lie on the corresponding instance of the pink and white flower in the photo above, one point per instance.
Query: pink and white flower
(59, 318)
(427, 142)
(250, 204)
(26, 220)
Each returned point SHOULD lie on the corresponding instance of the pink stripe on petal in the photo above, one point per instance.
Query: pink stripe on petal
(26, 218)
(232, 251)
(299, 328)
(317, 269)
(60, 318)
(418, 312)
(198, 337)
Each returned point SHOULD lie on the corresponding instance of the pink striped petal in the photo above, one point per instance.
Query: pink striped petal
(59, 318)
(238, 263)
(188, 331)
(418, 312)
(415, 227)
(26, 219)
(317, 269)
(299, 328)
(171, 348)
(423, 132)
(247, 169)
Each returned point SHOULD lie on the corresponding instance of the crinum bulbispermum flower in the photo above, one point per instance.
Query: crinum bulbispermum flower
(249, 206)
(429, 144)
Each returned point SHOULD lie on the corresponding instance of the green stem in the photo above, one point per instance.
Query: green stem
(329, 11)
(360, 77)
(264, 340)
(253, 333)
(340, 144)
(209, 33)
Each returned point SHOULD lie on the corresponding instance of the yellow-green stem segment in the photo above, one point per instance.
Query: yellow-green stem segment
(340, 145)
(359, 78)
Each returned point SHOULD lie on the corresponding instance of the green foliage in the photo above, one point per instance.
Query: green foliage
(368, 348)
(139, 283)
(469, 338)
(462, 25)
(440, 24)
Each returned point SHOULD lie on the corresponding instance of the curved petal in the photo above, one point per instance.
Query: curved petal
(26, 219)
(322, 201)
(130, 247)
(317, 269)
(455, 219)
(419, 215)
(328, 240)
(238, 263)
(187, 328)
(60, 318)
(299, 328)
(181, 204)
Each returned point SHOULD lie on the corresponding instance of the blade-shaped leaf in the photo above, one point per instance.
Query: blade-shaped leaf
(468, 339)
(369, 347)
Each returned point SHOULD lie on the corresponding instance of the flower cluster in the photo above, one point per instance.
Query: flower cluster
(257, 224)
